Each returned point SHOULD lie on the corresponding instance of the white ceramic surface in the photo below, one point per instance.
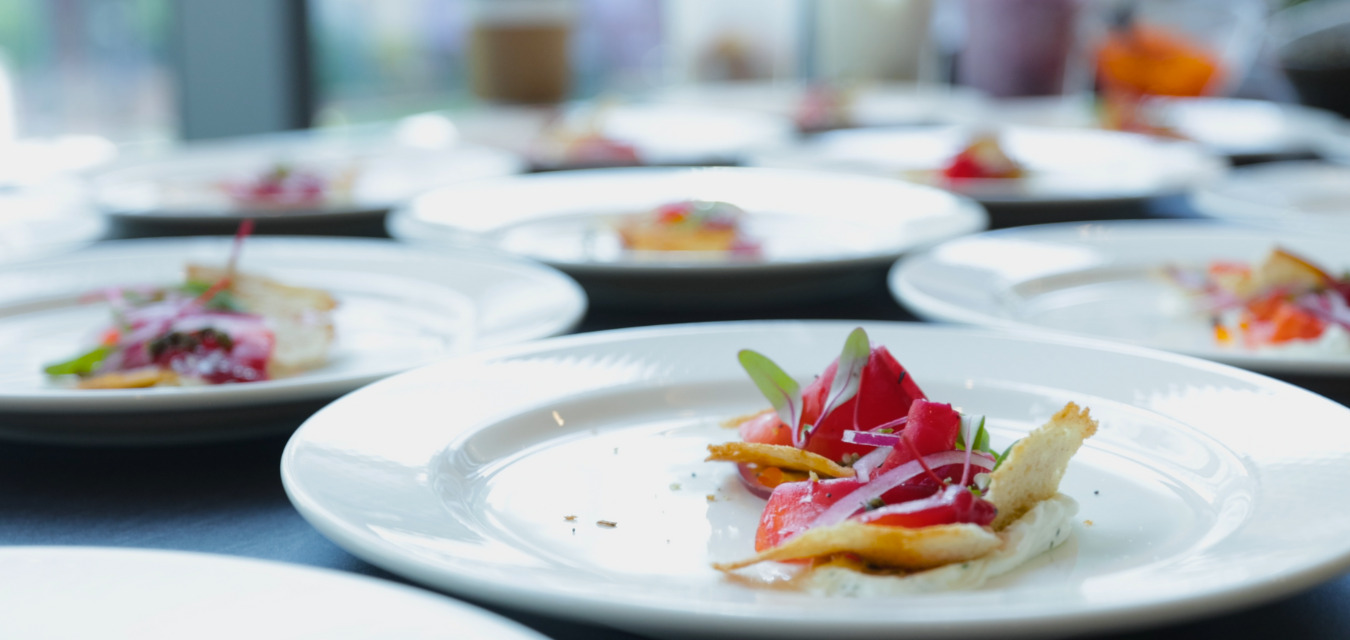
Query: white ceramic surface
(35, 222)
(1226, 126)
(1063, 165)
(398, 307)
(870, 105)
(1313, 197)
(802, 220)
(384, 169)
(1104, 280)
(136, 594)
(1195, 504)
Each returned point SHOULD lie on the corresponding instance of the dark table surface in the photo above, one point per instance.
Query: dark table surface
(228, 499)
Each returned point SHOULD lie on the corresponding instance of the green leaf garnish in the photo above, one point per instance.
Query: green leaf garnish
(998, 459)
(781, 390)
(848, 373)
(981, 436)
(81, 365)
(223, 300)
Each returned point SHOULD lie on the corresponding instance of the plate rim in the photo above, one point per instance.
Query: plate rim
(234, 565)
(664, 619)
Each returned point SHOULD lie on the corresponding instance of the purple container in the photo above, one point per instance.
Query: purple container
(1017, 47)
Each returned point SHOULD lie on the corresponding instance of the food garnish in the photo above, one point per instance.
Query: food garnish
(866, 477)
(284, 186)
(1284, 300)
(220, 326)
(688, 225)
(983, 158)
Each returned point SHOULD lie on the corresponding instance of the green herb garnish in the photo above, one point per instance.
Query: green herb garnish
(81, 365)
(781, 390)
(223, 300)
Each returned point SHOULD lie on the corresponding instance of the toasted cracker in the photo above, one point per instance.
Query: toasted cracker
(777, 455)
(135, 379)
(897, 547)
(1034, 466)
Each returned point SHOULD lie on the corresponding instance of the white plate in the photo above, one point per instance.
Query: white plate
(814, 229)
(878, 105)
(35, 222)
(1197, 506)
(661, 134)
(399, 307)
(1304, 196)
(1065, 166)
(1226, 126)
(135, 594)
(1103, 280)
(186, 185)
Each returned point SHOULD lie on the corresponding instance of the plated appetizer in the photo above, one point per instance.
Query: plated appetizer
(219, 326)
(878, 490)
(1285, 301)
(688, 225)
(283, 186)
(983, 158)
(823, 107)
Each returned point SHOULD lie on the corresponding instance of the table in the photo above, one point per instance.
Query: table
(228, 499)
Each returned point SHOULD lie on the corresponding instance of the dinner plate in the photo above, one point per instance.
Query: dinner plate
(1063, 165)
(138, 594)
(1238, 128)
(40, 221)
(1306, 196)
(398, 307)
(866, 105)
(569, 480)
(1105, 280)
(659, 134)
(811, 228)
(365, 172)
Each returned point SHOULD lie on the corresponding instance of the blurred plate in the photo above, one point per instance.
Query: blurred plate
(398, 307)
(1186, 499)
(660, 134)
(1305, 196)
(1104, 280)
(810, 226)
(867, 105)
(1242, 129)
(136, 594)
(45, 220)
(367, 172)
(1064, 166)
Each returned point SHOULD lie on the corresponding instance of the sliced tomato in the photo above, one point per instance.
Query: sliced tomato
(1293, 323)
(885, 395)
(766, 428)
(954, 505)
(794, 505)
(931, 428)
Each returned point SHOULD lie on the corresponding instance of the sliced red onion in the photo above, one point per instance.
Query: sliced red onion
(858, 500)
(864, 466)
(870, 439)
(894, 424)
(936, 500)
(1328, 306)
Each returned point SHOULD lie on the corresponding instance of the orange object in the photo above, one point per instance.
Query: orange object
(1221, 334)
(1149, 60)
(1292, 323)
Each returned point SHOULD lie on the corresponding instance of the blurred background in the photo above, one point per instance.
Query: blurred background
(147, 71)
